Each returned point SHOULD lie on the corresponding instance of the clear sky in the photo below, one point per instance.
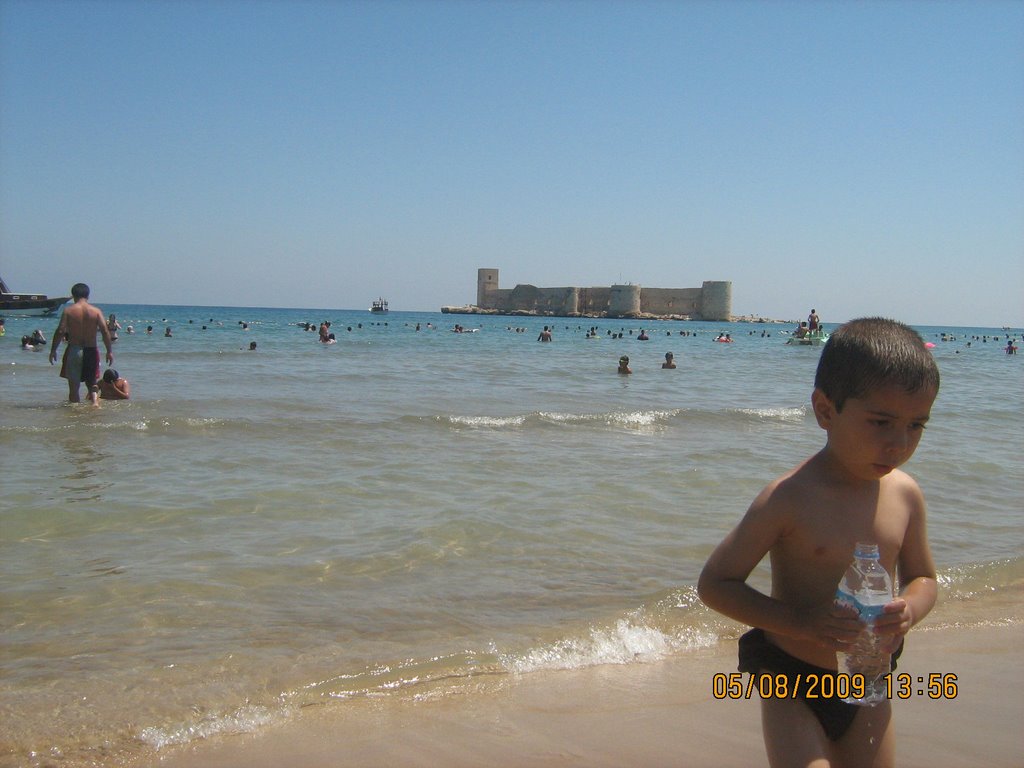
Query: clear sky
(856, 157)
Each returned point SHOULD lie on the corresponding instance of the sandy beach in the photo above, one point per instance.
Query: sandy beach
(658, 714)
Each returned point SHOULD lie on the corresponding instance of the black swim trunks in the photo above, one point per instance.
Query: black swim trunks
(757, 656)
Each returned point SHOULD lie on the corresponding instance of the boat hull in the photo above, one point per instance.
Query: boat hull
(811, 340)
(29, 304)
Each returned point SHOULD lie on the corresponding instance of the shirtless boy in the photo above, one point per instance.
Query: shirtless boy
(81, 363)
(873, 393)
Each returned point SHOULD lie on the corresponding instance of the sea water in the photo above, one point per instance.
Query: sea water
(258, 531)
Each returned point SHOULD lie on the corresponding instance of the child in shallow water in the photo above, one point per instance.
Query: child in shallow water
(113, 386)
(873, 393)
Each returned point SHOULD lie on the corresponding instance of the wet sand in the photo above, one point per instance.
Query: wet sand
(657, 714)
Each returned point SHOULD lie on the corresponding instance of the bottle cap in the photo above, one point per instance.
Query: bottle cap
(866, 550)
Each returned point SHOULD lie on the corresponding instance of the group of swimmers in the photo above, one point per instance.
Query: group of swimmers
(326, 335)
(113, 326)
(670, 362)
(79, 326)
(35, 342)
(81, 323)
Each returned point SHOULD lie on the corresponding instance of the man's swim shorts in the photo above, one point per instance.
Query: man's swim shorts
(81, 365)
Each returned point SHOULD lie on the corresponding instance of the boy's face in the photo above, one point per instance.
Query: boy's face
(874, 434)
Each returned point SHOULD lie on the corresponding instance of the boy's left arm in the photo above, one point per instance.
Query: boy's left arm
(918, 586)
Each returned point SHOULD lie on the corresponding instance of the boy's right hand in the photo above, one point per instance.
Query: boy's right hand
(836, 627)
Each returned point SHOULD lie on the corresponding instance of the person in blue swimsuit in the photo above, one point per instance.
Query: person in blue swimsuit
(873, 393)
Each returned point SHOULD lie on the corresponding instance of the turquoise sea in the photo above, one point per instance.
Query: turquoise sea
(411, 509)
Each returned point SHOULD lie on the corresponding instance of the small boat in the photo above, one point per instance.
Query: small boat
(813, 338)
(29, 303)
(380, 305)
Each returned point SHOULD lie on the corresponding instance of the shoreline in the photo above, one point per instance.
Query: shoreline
(661, 713)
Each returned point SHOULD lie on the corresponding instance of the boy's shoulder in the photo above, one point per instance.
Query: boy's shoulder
(813, 482)
(798, 481)
(807, 499)
(902, 486)
(787, 494)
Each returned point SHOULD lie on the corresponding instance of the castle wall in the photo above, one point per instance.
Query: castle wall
(499, 300)
(555, 300)
(712, 301)
(672, 301)
(593, 301)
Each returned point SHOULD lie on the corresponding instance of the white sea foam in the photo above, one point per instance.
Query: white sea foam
(626, 642)
(487, 422)
(626, 419)
(247, 719)
(780, 414)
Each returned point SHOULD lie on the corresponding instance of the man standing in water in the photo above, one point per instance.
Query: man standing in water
(81, 364)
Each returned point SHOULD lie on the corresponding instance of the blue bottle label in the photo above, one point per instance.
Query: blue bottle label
(867, 612)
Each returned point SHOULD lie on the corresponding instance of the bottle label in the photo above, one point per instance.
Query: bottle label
(867, 612)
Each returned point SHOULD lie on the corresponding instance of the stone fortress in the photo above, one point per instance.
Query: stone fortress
(712, 301)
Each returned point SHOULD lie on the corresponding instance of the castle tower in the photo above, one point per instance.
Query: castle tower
(624, 301)
(571, 305)
(716, 300)
(486, 287)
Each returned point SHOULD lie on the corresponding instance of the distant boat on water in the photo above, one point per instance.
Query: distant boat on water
(29, 303)
(380, 305)
(813, 338)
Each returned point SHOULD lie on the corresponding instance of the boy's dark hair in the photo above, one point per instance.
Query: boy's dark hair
(80, 291)
(872, 352)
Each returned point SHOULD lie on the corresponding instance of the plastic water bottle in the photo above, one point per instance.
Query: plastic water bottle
(866, 587)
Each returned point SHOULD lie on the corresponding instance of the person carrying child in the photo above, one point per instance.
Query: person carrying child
(873, 394)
